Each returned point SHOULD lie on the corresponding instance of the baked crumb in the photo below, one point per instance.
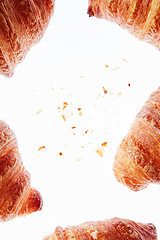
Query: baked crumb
(64, 118)
(65, 104)
(104, 144)
(100, 152)
(119, 94)
(40, 148)
(124, 60)
(106, 66)
(116, 68)
(80, 113)
(40, 110)
(78, 159)
(104, 90)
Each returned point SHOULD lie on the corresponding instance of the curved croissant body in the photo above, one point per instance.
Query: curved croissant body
(111, 229)
(137, 162)
(22, 24)
(139, 17)
(17, 197)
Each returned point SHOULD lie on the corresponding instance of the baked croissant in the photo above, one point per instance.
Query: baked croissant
(137, 161)
(139, 17)
(17, 197)
(22, 24)
(112, 229)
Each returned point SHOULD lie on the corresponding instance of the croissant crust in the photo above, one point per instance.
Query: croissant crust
(17, 197)
(137, 161)
(22, 24)
(112, 229)
(139, 17)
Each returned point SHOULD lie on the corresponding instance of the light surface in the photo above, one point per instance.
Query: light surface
(69, 65)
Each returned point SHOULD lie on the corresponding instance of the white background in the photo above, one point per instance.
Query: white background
(69, 65)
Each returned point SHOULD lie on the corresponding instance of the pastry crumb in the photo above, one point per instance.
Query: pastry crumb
(39, 111)
(65, 104)
(116, 68)
(40, 148)
(104, 144)
(104, 90)
(100, 152)
(80, 113)
(64, 118)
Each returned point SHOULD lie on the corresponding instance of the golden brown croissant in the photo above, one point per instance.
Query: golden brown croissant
(22, 24)
(17, 197)
(137, 161)
(139, 17)
(113, 229)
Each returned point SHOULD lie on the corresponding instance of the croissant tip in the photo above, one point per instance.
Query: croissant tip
(90, 11)
(37, 201)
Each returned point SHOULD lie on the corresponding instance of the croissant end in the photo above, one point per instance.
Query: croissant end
(33, 203)
(22, 24)
(137, 161)
(17, 197)
(139, 17)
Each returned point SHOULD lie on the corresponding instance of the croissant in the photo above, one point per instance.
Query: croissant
(139, 17)
(22, 24)
(17, 197)
(137, 161)
(112, 229)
